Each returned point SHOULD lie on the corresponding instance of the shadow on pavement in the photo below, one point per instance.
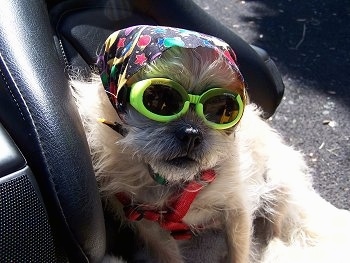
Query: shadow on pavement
(311, 38)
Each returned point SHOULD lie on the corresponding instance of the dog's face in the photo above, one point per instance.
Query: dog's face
(180, 149)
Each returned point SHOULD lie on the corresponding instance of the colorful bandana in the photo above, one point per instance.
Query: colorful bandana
(128, 50)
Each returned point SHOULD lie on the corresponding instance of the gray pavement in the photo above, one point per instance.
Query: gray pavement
(310, 43)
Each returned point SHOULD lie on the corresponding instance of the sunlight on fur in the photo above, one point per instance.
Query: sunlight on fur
(262, 197)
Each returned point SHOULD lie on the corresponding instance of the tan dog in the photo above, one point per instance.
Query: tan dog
(168, 179)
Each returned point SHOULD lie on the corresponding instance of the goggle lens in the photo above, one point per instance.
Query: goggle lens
(221, 109)
(162, 100)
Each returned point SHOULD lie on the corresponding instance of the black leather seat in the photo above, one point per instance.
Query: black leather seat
(50, 209)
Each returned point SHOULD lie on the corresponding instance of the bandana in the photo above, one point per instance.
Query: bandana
(127, 51)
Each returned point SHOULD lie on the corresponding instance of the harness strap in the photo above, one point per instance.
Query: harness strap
(171, 217)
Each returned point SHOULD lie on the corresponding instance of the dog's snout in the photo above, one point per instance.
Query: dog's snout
(190, 137)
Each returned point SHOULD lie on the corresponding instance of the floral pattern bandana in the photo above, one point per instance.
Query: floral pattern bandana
(127, 51)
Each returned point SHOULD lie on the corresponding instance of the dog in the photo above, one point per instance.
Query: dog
(180, 152)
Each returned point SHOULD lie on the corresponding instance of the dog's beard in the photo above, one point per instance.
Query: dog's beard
(159, 145)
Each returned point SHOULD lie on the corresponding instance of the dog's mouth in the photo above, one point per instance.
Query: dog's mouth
(176, 169)
(181, 161)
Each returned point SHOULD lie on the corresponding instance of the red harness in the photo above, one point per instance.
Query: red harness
(171, 217)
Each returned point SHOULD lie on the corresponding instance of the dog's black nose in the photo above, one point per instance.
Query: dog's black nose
(190, 137)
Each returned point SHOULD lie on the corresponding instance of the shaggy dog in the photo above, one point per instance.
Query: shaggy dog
(188, 155)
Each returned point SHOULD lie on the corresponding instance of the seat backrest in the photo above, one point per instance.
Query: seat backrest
(82, 26)
(39, 114)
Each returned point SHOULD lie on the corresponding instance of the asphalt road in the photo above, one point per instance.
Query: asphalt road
(310, 43)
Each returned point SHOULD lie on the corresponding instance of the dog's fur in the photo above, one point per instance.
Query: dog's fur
(262, 197)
